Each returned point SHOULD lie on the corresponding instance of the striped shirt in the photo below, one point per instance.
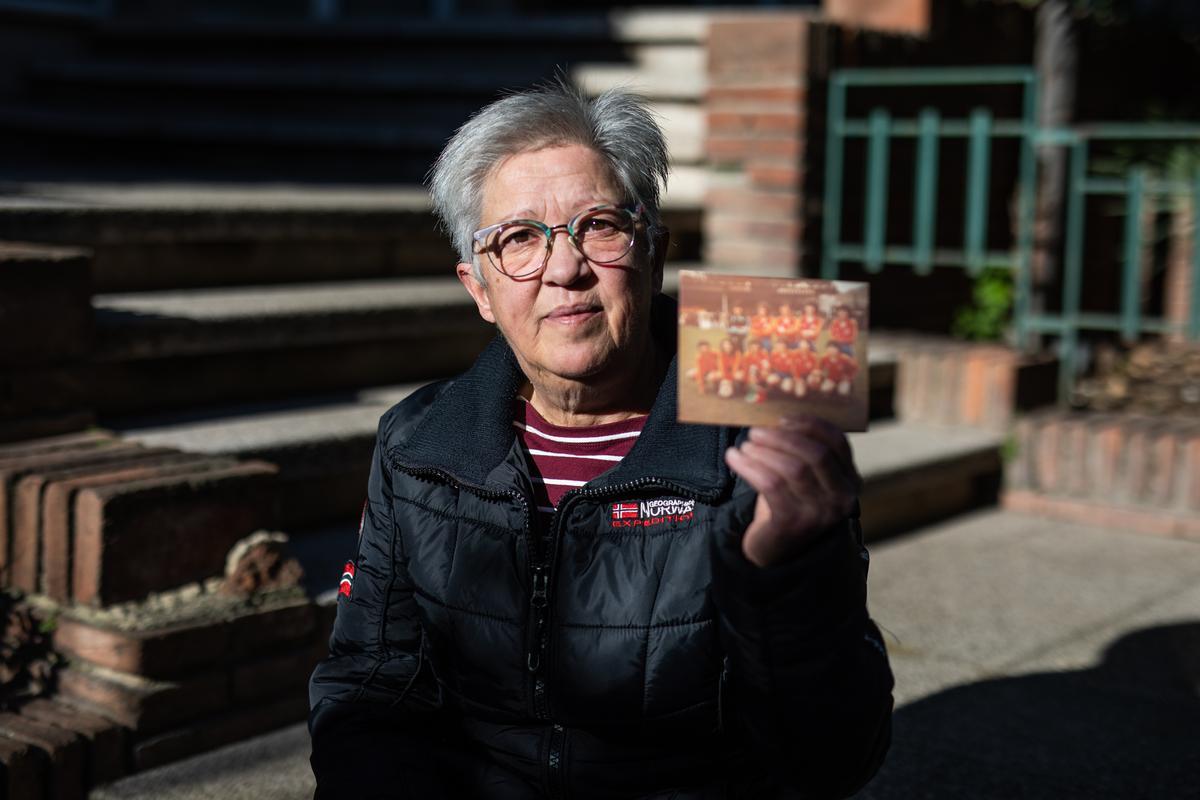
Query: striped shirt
(566, 458)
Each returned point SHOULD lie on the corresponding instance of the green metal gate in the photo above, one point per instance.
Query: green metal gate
(979, 129)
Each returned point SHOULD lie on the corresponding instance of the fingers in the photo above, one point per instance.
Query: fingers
(820, 446)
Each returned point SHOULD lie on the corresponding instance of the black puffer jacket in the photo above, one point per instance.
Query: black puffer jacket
(623, 655)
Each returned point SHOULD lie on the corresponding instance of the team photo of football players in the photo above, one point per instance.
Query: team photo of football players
(752, 350)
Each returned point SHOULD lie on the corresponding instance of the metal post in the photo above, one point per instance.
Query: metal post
(925, 202)
(975, 225)
(1131, 294)
(875, 219)
(832, 223)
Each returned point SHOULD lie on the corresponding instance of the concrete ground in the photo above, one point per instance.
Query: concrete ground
(1033, 659)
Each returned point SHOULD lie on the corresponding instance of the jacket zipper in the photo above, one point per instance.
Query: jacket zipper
(538, 661)
(540, 569)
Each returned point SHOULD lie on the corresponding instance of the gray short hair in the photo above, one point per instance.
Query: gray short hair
(616, 124)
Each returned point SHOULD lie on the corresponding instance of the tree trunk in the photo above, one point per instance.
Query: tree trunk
(1056, 60)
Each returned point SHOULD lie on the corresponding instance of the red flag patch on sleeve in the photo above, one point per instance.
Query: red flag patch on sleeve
(347, 582)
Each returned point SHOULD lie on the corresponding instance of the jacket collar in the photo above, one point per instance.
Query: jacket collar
(467, 431)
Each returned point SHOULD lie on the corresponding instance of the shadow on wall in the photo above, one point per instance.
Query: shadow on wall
(1128, 728)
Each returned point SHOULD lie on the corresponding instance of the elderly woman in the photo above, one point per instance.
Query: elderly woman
(559, 590)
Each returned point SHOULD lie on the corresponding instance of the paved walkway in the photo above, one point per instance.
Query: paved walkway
(1033, 659)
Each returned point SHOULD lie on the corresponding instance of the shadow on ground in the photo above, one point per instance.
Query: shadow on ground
(1128, 728)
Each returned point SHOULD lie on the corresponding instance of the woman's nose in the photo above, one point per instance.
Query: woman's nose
(565, 264)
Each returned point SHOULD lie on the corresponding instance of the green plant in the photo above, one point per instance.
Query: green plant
(986, 319)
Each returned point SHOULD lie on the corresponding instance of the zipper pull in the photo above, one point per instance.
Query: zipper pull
(537, 603)
(540, 581)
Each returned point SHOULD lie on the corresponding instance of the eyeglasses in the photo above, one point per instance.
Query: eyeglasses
(520, 248)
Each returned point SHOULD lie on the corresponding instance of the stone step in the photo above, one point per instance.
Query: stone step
(915, 474)
(175, 236)
(179, 350)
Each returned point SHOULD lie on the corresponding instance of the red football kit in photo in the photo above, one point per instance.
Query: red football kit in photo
(803, 362)
(788, 329)
(810, 327)
(839, 367)
(843, 331)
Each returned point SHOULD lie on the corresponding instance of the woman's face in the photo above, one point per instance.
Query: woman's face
(575, 320)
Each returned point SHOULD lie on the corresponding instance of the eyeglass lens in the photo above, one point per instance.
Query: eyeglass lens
(603, 236)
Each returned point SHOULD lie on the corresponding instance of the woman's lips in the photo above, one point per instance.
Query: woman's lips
(575, 314)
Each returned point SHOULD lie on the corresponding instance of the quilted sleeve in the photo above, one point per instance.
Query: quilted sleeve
(374, 703)
(809, 687)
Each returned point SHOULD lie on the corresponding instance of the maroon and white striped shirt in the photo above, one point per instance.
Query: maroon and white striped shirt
(566, 458)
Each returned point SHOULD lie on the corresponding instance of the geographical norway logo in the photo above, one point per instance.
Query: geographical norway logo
(347, 582)
(645, 513)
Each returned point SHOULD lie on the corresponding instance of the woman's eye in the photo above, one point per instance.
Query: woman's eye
(518, 238)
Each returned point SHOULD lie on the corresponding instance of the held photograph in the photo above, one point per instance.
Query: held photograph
(753, 350)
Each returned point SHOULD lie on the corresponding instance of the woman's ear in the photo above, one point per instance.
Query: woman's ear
(478, 292)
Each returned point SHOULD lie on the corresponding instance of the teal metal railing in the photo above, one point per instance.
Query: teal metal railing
(980, 129)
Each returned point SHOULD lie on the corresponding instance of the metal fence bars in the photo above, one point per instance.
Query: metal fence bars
(979, 129)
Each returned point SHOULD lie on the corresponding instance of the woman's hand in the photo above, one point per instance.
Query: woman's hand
(806, 480)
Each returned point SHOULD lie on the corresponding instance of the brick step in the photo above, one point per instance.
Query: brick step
(1108, 469)
(915, 474)
(153, 237)
(97, 520)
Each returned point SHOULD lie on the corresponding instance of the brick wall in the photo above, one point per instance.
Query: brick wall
(1124, 470)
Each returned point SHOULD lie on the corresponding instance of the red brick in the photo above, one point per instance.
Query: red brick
(1132, 485)
(218, 730)
(106, 740)
(64, 751)
(26, 514)
(767, 49)
(158, 654)
(180, 650)
(766, 123)
(1133, 520)
(728, 97)
(1164, 449)
(1016, 469)
(22, 770)
(16, 466)
(142, 705)
(1191, 479)
(738, 149)
(1105, 455)
(894, 16)
(776, 177)
(58, 506)
(1046, 458)
(135, 538)
(754, 229)
(753, 202)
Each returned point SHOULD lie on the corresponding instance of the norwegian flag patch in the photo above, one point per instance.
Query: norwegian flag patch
(648, 513)
(347, 582)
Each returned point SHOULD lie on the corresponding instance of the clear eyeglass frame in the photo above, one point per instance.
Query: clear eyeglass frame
(482, 235)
